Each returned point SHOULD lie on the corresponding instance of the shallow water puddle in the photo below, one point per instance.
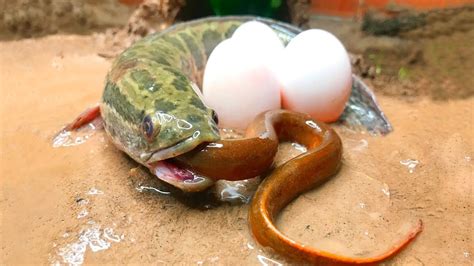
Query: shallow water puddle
(410, 164)
(93, 238)
(348, 216)
(66, 138)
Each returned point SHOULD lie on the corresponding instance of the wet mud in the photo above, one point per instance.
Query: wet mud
(89, 203)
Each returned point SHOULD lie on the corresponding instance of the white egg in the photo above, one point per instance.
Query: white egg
(315, 74)
(258, 36)
(238, 85)
(238, 80)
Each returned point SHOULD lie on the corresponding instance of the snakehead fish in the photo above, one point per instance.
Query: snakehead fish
(152, 107)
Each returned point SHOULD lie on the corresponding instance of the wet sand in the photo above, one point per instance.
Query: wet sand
(84, 204)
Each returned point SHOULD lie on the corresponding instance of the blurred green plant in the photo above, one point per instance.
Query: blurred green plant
(265, 8)
(378, 69)
(403, 73)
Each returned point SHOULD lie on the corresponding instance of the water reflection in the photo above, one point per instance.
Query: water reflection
(266, 261)
(92, 238)
(211, 260)
(83, 213)
(236, 191)
(142, 188)
(386, 190)
(357, 145)
(299, 147)
(410, 164)
(66, 138)
(95, 191)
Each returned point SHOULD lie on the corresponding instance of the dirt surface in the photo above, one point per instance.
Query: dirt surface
(90, 204)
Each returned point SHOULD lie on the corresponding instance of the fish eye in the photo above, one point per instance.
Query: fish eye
(214, 117)
(149, 130)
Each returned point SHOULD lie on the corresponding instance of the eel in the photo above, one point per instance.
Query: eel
(152, 109)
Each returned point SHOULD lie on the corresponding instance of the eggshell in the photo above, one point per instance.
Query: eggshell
(260, 38)
(238, 84)
(315, 74)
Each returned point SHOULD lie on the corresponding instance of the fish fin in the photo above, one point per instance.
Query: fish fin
(80, 129)
(362, 110)
(86, 117)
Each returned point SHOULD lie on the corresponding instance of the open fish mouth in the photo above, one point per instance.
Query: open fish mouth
(182, 178)
(162, 165)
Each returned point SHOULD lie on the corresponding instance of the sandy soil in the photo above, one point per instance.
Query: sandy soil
(364, 208)
(89, 203)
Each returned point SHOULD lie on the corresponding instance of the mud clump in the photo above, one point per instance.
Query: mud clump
(152, 16)
(149, 17)
(34, 18)
(411, 24)
(380, 24)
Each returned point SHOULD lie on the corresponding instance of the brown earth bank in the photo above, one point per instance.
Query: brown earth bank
(34, 18)
(90, 204)
(433, 59)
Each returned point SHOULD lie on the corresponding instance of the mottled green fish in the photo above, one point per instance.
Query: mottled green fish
(152, 107)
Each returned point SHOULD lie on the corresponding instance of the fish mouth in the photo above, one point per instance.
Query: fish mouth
(162, 165)
(182, 178)
(177, 149)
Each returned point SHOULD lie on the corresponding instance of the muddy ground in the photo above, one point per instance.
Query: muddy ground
(89, 203)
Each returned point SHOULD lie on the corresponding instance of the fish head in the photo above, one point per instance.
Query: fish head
(153, 113)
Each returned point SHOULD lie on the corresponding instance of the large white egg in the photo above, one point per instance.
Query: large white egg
(238, 84)
(256, 35)
(315, 74)
(259, 37)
